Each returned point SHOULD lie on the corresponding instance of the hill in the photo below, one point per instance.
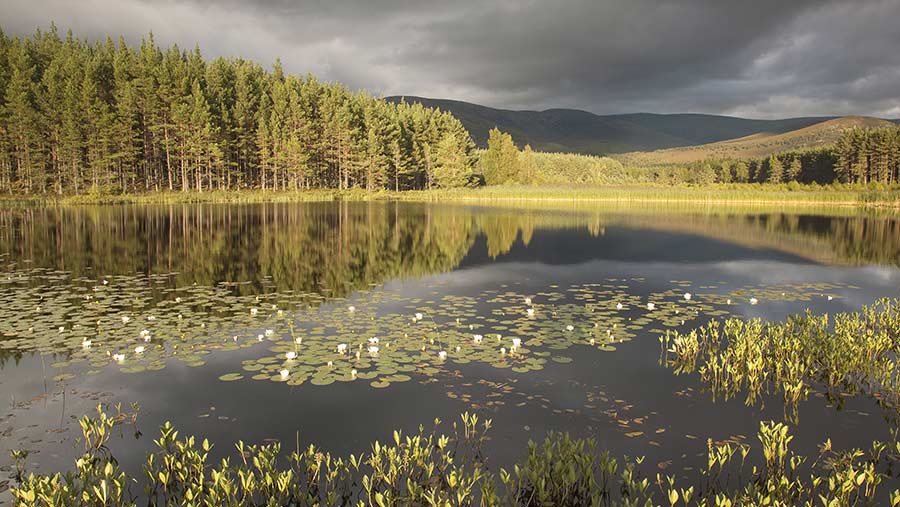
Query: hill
(576, 131)
(758, 145)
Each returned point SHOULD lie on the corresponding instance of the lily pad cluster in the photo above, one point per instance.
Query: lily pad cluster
(382, 336)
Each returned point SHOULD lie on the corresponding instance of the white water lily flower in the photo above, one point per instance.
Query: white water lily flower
(458, 348)
(477, 338)
(105, 282)
(830, 298)
(269, 332)
(118, 357)
(253, 311)
(373, 350)
(530, 312)
(353, 373)
(178, 299)
(619, 306)
(144, 333)
(284, 373)
(651, 306)
(86, 344)
(330, 364)
(570, 327)
(687, 296)
(502, 350)
(527, 301)
(373, 340)
(291, 355)
(259, 337)
(419, 316)
(351, 308)
(341, 348)
(442, 355)
(125, 319)
(139, 349)
(298, 340)
(516, 342)
(753, 301)
(62, 329)
(728, 301)
(151, 318)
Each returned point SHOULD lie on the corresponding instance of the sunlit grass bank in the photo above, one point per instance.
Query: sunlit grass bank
(754, 194)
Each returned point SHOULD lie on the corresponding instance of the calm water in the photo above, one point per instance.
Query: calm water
(208, 304)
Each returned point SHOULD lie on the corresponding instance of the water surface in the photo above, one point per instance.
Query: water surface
(228, 320)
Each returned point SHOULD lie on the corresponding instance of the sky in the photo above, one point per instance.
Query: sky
(759, 58)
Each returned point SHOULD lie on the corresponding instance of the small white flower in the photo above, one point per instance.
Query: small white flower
(139, 349)
(530, 312)
(151, 318)
(86, 344)
(298, 339)
(353, 373)
(458, 348)
(651, 306)
(502, 350)
(728, 301)
(284, 373)
(477, 338)
(105, 282)
(280, 313)
(351, 308)
(516, 342)
(118, 357)
(253, 311)
(373, 340)
(753, 301)
(373, 350)
(269, 332)
(593, 341)
(259, 337)
(341, 348)
(687, 296)
(274, 307)
(442, 355)
(62, 329)
(144, 333)
(570, 327)
(419, 316)
(125, 319)
(291, 355)
(330, 364)
(527, 301)
(178, 299)
(830, 298)
(619, 306)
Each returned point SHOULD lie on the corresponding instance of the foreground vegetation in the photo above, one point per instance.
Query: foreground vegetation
(435, 469)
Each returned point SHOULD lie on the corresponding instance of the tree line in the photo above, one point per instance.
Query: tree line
(79, 116)
(868, 155)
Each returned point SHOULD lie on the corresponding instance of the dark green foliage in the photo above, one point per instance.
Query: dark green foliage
(865, 156)
(80, 117)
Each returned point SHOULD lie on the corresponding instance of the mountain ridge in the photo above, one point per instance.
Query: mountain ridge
(579, 131)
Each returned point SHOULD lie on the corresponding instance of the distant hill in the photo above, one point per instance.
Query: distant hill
(758, 145)
(572, 130)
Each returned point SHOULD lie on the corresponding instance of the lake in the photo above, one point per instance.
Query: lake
(336, 323)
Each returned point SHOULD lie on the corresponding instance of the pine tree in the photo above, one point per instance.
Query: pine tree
(775, 173)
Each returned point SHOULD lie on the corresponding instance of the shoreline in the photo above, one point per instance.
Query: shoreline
(706, 195)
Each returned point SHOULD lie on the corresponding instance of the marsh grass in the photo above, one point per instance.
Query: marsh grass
(431, 468)
(850, 353)
(747, 193)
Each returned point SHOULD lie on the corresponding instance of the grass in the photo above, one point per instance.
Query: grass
(754, 194)
(431, 468)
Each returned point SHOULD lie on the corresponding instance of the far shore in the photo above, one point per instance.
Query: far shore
(715, 194)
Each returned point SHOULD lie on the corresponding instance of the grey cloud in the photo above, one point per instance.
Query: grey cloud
(763, 58)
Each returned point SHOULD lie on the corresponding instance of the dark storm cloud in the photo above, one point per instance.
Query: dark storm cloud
(759, 58)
